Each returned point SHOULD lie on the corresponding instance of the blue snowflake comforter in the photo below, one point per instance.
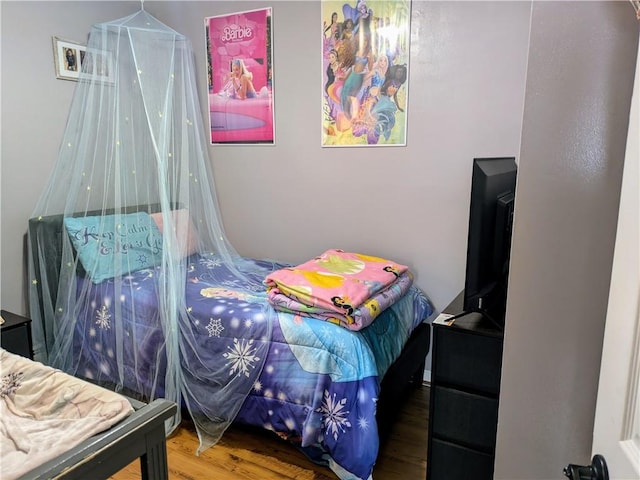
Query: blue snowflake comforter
(319, 382)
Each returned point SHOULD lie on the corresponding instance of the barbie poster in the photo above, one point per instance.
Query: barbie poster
(240, 77)
(365, 69)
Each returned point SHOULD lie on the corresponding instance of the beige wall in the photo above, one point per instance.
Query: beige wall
(579, 81)
(34, 113)
(407, 203)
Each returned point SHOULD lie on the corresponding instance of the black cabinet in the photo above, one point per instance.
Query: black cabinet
(15, 334)
(465, 387)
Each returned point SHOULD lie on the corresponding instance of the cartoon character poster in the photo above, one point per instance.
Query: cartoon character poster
(239, 66)
(365, 70)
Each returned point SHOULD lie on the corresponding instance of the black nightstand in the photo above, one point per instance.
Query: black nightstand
(465, 389)
(15, 334)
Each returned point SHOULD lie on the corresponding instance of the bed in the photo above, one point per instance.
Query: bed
(330, 391)
(57, 426)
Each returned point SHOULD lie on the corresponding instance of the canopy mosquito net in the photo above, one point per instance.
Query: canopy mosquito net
(128, 212)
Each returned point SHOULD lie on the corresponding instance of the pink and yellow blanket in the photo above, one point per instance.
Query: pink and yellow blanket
(349, 289)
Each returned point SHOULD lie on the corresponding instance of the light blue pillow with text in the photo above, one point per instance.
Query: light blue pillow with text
(111, 245)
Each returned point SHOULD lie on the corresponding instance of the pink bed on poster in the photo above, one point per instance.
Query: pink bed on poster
(234, 120)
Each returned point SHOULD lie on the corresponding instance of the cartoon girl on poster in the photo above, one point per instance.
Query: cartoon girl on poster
(365, 70)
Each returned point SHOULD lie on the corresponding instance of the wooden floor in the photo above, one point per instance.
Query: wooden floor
(251, 454)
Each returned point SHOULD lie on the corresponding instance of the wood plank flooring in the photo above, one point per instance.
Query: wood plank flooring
(252, 454)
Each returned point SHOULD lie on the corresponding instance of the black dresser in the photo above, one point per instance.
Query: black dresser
(465, 387)
(15, 334)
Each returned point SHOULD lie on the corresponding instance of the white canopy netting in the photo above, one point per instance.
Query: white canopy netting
(128, 211)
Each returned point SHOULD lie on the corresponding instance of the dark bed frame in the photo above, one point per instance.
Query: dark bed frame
(405, 373)
(140, 435)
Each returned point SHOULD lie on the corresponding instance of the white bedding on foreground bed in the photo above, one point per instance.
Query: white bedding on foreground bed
(45, 412)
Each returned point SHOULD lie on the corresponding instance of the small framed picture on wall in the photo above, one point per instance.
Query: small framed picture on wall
(74, 62)
(67, 56)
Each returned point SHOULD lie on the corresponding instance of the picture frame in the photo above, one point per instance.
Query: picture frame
(365, 72)
(97, 66)
(240, 77)
(73, 62)
(67, 57)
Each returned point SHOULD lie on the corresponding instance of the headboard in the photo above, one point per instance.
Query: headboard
(45, 236)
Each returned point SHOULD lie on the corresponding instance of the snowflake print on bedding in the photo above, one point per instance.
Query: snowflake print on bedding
(10, 383)
(363, 423)
(215, 327)
(210, 261)
(241, 357)
(103, 318)
(334, 417)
